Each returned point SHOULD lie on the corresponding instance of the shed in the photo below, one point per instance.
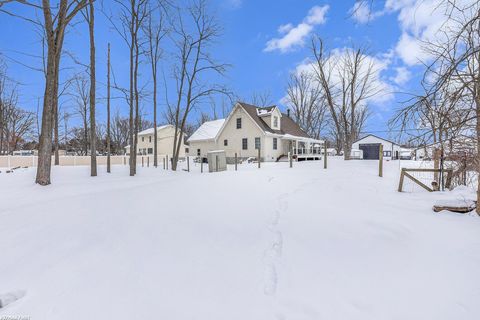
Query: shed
(217, 161)
(370, 146)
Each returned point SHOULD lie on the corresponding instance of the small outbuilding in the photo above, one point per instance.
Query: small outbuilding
(217, 161)
(370, 147)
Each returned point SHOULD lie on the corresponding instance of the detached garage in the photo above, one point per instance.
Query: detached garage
(370, 146)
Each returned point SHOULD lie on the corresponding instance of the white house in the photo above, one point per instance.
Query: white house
(248, 128)
(370, 148)
(165, 138)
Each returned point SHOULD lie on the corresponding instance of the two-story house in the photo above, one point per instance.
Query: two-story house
(249, 128)
(165, 139)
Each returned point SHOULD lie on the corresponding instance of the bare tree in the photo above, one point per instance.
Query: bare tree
(192, 40)
(132, 16)
(307, 103)
(348, 82)
(108, 109)
(120, 133)
(56, 20)
(82, 101)
(155, 31)
(261, 98)
(89, 14)
(453, 76)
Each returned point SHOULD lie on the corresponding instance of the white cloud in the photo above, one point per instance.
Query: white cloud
(384, 90)
(294, 36)
(362, 13)
(284, 28)
(421, 21)
(403, 75)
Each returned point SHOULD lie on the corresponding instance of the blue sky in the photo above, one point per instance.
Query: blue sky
(253, 43)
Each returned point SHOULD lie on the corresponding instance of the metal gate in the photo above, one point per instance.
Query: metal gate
(371, 151)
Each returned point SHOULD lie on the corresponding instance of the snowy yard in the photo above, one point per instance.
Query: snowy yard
(274, 243)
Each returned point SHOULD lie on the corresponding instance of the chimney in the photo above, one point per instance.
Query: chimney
(288, 113)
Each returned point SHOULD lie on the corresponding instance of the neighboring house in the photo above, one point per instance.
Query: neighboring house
(165, 138)
(248, 128)
(370, 147)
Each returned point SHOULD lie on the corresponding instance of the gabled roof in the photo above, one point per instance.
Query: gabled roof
(150, 130)
(372, 135)
(287, 125)
(207, 131)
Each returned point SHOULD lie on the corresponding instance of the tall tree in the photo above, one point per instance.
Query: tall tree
(193, 40)
(89, 14)
(307, 103)
(108, 109)
(56, 19)
(155, 31)
(82, 102)
(132, 16)
(348, 81)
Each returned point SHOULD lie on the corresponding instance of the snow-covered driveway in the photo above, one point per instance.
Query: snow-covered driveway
(274, 243)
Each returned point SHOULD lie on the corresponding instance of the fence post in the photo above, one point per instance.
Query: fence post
(325, 155)
(400, 184)
(258, 157)
(148, 161)
(290, 154)
(166, 160)
(201, 165)
(380, 162)
(8, 161)
(235, 161)
(163, 163)
(188, 164)
(216, 163)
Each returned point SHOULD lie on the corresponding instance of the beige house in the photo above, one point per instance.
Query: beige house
(165, 137)
(249, 128)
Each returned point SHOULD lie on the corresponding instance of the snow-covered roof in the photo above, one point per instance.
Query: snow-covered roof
(150, 130)
(207, 131)
(310, 140)
(265, 111)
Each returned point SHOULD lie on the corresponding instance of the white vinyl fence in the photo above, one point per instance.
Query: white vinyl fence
(31, 161)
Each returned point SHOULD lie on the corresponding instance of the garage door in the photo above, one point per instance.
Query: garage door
(370, 151)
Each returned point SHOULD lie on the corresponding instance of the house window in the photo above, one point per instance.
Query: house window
(274, 143)
(257, 143)
(225, 142)
(244, 143)
(387, 153)
(198, 152)
(150, 139)
(143, 139)
(150, 150)
(275, 122)
(239, 123)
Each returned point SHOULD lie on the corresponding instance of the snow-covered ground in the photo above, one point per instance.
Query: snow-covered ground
(271, 243)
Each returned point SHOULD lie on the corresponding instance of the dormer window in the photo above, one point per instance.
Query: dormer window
(275, 122)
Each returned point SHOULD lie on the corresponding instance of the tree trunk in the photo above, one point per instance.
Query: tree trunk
(477, 155)
(45, 140)
(130, 98)
(55, 104)
(93, 133)
(108, 110)
(155, 137)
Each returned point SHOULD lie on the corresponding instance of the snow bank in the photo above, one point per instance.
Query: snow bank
(270, 243)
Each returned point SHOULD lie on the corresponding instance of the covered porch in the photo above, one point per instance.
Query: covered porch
(303, 148)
